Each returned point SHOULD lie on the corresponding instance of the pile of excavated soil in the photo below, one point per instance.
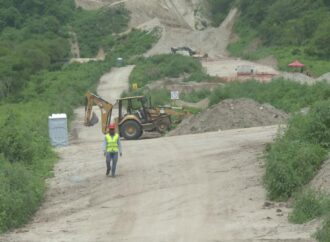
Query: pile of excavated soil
(231, 114)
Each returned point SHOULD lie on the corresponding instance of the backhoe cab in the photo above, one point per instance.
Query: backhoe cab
(139, 117)
(135, 116)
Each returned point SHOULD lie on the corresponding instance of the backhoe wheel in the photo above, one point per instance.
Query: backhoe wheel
(163, 125)
(131, 130)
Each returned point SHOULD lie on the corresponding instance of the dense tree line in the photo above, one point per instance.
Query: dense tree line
(32, 38)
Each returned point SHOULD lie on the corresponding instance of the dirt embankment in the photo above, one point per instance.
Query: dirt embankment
(231, 114)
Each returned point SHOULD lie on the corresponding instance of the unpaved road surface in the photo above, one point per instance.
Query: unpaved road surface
(196, 188)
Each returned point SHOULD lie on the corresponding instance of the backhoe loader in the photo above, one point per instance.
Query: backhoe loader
(134, 116)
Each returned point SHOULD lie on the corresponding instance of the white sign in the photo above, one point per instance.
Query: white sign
(175, 95)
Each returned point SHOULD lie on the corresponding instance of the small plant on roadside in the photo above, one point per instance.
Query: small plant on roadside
(296, 156)
(290, 165)
(308, 206)
(323, 234)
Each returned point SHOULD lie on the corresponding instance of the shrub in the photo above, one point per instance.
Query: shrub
(20, 194)
(323, 234)
(161, 66)
(318, 130)
(195, 96)
(219, 10)
(134, 43)
(308, 206)
(290, 165)
(296, 156)
(15, 142)
(91, 28)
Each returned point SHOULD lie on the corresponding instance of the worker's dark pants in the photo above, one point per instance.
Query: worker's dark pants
(113, 156)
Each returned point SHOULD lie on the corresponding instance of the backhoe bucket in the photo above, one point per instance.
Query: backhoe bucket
(94, 119)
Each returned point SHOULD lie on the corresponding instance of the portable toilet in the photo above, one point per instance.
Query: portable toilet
(120, 62)
(58, 129)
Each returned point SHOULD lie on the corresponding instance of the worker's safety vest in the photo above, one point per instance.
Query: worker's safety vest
(112, 143)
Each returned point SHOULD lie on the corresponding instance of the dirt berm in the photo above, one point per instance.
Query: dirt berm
(231, 114)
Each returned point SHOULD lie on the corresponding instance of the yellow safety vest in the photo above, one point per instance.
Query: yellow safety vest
(112, 143)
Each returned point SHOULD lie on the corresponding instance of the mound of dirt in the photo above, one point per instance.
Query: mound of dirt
(231, 114)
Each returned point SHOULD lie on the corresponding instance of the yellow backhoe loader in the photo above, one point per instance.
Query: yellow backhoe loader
(134, 116)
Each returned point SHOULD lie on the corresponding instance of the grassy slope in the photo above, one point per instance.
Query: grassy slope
(287, 30)
(284, 55)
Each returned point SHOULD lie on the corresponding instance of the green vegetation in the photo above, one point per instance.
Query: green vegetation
(287, 30)
(33, 37)
(195, 96)
(132, 44)
(95, 28)
(157, 67)
(323, 234)
(290, 165)
(26, 157)
(286, 95)
(308, 206)
(296, 156)
(219, 10)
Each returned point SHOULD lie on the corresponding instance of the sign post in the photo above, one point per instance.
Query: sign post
(134, 86)
(175, 95)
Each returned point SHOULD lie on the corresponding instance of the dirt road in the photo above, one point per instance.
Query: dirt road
(194, 188)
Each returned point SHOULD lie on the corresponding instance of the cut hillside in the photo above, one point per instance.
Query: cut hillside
(231, 114)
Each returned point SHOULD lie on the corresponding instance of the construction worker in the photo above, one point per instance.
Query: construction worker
(111, 148)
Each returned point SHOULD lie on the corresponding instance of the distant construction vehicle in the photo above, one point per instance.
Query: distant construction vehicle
(135, 116)
(188, 51)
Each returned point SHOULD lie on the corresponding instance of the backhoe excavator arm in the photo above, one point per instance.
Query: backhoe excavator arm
(106, 110)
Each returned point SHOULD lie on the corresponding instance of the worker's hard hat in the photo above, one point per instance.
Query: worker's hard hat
(112, 126)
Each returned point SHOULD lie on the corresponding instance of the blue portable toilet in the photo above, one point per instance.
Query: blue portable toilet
(120, 62)
(58, 129)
